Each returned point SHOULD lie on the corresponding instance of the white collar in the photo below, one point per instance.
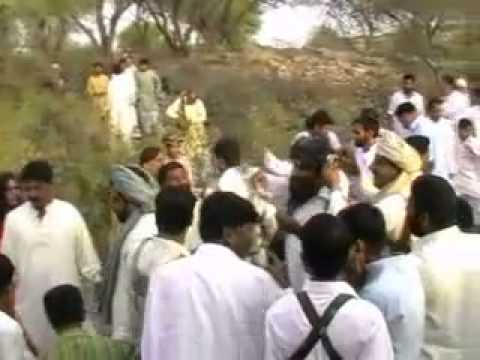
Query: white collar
(330, 288)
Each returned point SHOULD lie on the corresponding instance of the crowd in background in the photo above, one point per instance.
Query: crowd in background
(358, 250)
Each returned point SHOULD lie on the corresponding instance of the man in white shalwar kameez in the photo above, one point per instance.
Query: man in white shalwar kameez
(121, 100)
(212, 305)
(49, 243)
(174, 213)
(450, 270)
(314, 189)
(457, 99)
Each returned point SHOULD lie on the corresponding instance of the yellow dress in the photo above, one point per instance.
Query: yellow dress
(97, 89)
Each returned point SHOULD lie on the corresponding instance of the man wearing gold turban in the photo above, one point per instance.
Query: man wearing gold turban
(395, 167)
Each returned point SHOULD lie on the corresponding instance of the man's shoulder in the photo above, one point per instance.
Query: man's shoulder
(9, 327)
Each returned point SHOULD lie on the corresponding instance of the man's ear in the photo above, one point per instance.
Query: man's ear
(227, 235)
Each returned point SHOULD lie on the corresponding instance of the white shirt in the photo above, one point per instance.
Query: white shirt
(195, 113)
(357, 332)
(363, 185)
(123, 311)
(394, 210)
(54, 250)
(442, 148)
(211, 305)
(473, 114)
(12, 342)
(327, 201)
(467, 180)
(450, 274)
(399, 98)
(455, 103)
(404, 311)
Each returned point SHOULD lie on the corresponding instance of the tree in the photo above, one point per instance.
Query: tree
(215, 22)
(142, 34)
(106, 18)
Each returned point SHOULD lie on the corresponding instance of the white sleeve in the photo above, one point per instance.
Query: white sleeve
(273, 346)
(12, 346)
(277, 166)
(122, 305)
(338, 202)
(173, 111)
(392, 105)
(11, 242)
(334, 141)
(86, 256)
(200, 112)
(378, 346)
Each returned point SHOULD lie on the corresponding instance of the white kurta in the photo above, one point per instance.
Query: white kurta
(394, 210)
(121, 99)
(50, 251)
(358, 331)
(362, 186)
(123, 312)
(195, 113)
(399, 98)
(12, 342)
(211, 305)
(450, 274)
(327, 201)
(455, 104)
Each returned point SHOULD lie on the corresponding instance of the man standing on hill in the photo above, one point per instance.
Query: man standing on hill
(97, 89)
(406, 94)
(49, 244)
(149, 92)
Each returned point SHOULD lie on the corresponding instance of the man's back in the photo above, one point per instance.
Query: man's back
(357, 331)
(77, 344)
(404, 311)
(209, 306)
(12, 343)
(450, 273)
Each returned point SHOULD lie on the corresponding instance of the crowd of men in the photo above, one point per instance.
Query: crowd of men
(343, 251)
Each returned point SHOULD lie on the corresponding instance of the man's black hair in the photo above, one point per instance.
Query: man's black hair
(319, 118)
(224, 210)
(465, 217)
(326, 242)
(7, 270)
(64, 306)
(311, 153)
(405, 108)
(366, 222)
(165, 170)
(174, 210)
(39, 170)
(448, 79)
(420, 143)
(144, 61)
(435, 197)
(228, 149)
(434, 102)
(368, 122)
(148, 154)
(465, 124)
(411, 77)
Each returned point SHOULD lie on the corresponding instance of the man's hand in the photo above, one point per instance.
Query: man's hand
(288, 223)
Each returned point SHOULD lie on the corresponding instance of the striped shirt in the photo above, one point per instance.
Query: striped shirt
(78, 344)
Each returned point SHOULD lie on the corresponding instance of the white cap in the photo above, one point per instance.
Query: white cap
(461, 83)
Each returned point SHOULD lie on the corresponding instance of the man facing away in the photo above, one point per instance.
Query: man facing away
(450, 270)
(212, 305)
(348, 328)
(174, 213)
(314, 188)
(406, 94)
(49, 243)
(12, 341)
(383, 279)
(66, 312)
(149, 93)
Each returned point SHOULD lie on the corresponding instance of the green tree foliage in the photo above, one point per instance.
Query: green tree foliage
(141, 35)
